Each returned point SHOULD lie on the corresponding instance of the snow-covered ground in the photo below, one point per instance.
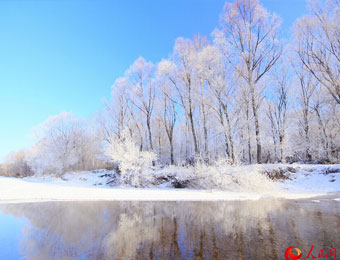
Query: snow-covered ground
(314, 178)
(303, 181)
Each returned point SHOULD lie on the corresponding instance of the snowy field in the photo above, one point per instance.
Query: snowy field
(299, 181)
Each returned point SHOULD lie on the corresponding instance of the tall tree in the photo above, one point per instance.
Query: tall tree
(318, 44)
(186, 82)
(142, 94)
(306, 88)
(213, 71)
(200, 42)
(249, 41)
(116, 117)
(277, 108)
(165, 73)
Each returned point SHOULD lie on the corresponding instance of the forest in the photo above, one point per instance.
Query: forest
(242, 95)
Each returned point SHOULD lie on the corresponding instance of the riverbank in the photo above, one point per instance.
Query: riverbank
(301, 181)
(19, 190)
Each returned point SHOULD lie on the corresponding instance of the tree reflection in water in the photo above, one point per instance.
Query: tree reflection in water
(175, 230)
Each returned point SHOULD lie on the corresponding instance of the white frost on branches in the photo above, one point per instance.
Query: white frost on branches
(133, 163)
(64, 144)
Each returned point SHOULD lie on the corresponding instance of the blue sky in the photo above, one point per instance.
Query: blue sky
(64, 55)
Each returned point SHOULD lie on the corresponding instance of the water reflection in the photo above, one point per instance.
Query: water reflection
(175, 230)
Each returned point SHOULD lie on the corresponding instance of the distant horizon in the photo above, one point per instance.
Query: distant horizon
(65, 56)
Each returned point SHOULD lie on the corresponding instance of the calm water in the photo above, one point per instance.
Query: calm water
(167, 230)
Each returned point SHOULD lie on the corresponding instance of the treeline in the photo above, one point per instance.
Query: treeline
(243, 95)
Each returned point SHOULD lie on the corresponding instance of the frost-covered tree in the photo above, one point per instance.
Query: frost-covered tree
(165, 72)
(142, 93)
(16, 164)
(305, 89)
(318, 43)
(134, 164)
(185, 83)
(214, 71)
(277, 108)
(200, 42)
(117, 114)
(63, 144)
(249, 41)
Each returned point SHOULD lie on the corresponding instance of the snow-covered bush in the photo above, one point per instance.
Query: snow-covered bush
(134, 165)
(234, 178)
(221, 176)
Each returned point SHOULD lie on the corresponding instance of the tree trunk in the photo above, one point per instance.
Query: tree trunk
(281, 148)
(171, 151)
(190, 114)
(226, 139)
(257, 126)
(205, 130)
(148, 123)
(230, 137)
(306, 132)
(323, 131)
(249, 134)
(193, 132)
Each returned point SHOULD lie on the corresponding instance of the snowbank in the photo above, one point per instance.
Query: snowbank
(220, 176)
(244, 184)
(313, 178)
(19, 190)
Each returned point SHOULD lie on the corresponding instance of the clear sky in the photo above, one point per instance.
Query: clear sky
(64, 55)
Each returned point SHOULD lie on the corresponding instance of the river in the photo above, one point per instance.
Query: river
(261, 229)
